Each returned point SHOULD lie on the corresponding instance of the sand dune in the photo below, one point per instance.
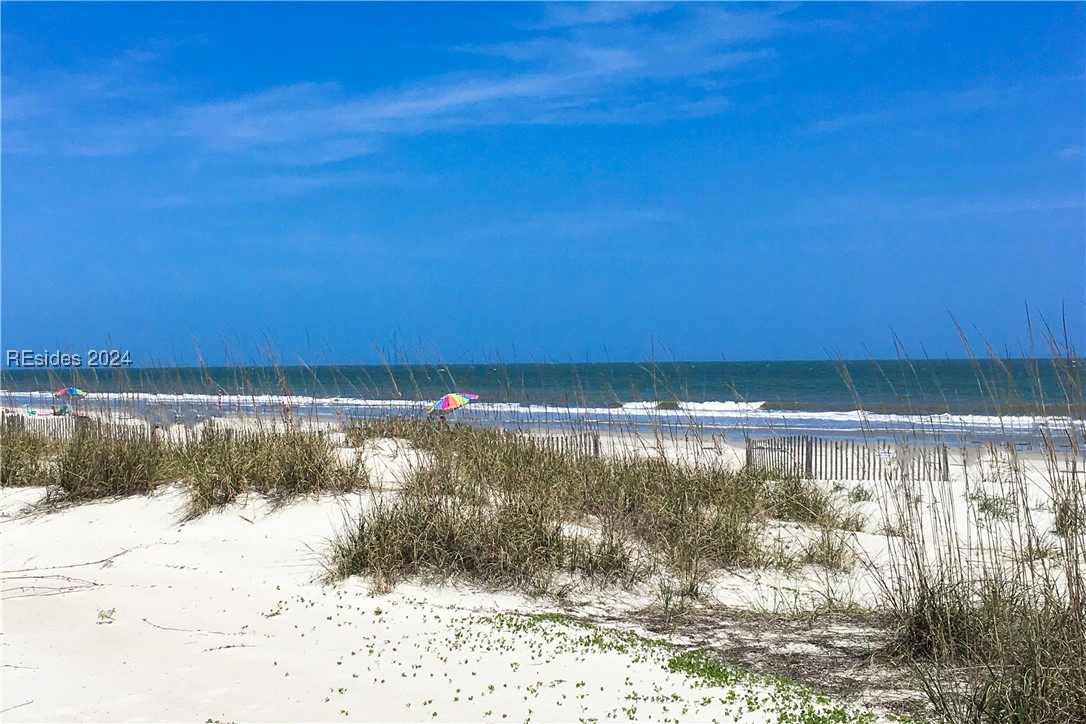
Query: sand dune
(119, 611)
(123, 610)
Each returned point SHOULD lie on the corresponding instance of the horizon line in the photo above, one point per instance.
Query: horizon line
(384, 365)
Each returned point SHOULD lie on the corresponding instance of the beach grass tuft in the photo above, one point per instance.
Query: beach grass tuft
(991, 614)
(221, 464)
(508, 545)
(994, 650)
(25, 458)
(216, 465)
(496, 507)
(93, 467)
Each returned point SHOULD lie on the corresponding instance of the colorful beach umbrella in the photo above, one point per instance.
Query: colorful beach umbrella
(452, 401)
(73, 391)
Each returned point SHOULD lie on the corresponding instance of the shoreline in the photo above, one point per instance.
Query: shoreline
(730, 420)
(1011, 387)
(612, 405)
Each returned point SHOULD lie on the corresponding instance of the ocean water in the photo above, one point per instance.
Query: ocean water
(954, 400)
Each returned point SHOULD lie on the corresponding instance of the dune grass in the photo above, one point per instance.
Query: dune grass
(992, 618)
(504, 545)
(215, 465)
(424, 433)
(499, 509)
(221, 464)
(25, 458)
(992, 649)
(92, 467)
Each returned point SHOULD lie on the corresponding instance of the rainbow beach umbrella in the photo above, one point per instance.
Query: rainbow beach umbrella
(72, 391)
(452, 401)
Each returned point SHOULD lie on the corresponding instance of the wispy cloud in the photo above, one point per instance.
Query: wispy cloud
(579, 225)
(95, 110)
(583, 75)
(566, 15)
(910, 107)
(840, 123)
(581, 64)
(843, 209)
(592, 233)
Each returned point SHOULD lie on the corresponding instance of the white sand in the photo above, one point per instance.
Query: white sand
(117, 611)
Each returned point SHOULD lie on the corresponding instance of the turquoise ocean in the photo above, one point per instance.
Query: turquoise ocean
(956, 400)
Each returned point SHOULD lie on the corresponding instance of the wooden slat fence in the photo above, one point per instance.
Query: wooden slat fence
(232, 434)
(821, 459)
(104, 428)
(67, 426)
(63, 426)
(584, 444)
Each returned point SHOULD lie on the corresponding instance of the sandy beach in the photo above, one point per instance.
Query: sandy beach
(116, 611)
(126, 609)
(123, 610)
(543, 361)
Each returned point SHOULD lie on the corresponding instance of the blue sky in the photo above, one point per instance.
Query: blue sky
(535, 181)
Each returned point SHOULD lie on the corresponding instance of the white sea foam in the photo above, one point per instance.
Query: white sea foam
(727, 406)
(716, 414)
